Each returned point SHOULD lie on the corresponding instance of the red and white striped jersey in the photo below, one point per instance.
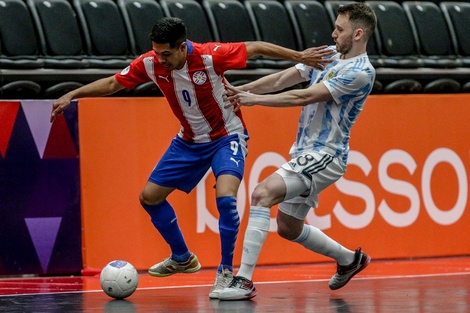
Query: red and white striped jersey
(195, 92)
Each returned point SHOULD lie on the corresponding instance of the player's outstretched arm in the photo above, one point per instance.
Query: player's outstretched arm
(315, 56)
(297, 97)
(101, 87)
(274, 82)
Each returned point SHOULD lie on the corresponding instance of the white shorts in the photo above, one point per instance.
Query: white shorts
(305, 177)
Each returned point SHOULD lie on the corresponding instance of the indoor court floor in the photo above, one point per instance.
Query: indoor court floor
(407, 286)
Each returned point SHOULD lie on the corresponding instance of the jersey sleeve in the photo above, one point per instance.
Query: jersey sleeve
(307, 72)
(134, 74)
(349, 84)
(228, 56)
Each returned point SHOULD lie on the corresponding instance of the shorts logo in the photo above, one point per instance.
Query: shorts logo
(236, 162)
(199, 77)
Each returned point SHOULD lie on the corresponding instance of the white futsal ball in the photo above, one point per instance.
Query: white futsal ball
(119, 279)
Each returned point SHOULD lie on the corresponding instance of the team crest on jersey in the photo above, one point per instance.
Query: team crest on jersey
(199, 77)
(126, 70)
(330, 74)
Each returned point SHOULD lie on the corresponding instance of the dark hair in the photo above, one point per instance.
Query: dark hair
(361, 16)
(169, 30)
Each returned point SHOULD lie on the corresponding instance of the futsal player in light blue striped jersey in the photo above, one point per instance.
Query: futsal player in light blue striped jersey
(331, 105)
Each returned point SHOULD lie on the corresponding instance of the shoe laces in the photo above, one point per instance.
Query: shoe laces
(223, 279)
(169, 262)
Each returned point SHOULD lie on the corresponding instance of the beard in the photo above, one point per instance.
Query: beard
(344, 47)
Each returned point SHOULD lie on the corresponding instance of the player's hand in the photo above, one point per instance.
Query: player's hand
(229, 92)
(316, 56)
(59, 106)
(238, 98)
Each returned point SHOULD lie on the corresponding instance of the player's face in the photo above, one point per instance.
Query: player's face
(343, 34)
(170, 58)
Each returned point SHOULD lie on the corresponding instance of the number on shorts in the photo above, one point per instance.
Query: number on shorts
(234, 146)
(304, 159)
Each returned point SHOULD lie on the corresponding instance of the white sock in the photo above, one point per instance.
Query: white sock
(315, 240)
(255, 236)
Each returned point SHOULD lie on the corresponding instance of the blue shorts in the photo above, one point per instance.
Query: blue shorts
(184, 164)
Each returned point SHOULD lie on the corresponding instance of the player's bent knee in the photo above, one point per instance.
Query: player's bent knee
(287, 232)
(143, 199)
(260, 197)
(149, 199)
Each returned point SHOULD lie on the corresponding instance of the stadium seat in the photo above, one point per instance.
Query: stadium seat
(403, 86)
(272, 24)
(19, 46)
(442, 85)
(148, 89)
(230, 22)
(396, 46)
(140, 16)
(331, 7)
(311, 22)
(20, 89)
(193, 15)
(457, 17)
(57, 90)
(105, 34)
(59, 35)
(466, 87)
(394, 36)
(431, 34)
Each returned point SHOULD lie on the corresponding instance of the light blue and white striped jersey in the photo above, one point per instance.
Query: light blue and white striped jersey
(326, 126)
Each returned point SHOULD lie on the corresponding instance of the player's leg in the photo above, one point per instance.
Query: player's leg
(228, 166)
(175, 170)
(266, 194)
(349, 263)
(292, 214)
(269, 192)
(292, 228)
(164, 219)
(229, 220)
(229, 224)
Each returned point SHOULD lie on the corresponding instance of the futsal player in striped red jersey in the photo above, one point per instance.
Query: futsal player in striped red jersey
(212, 134)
